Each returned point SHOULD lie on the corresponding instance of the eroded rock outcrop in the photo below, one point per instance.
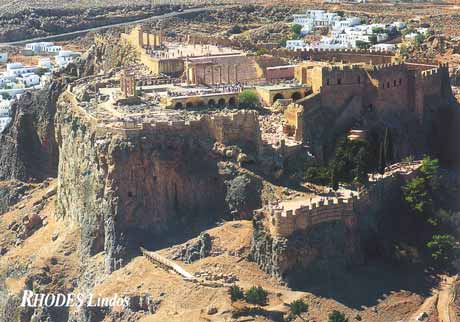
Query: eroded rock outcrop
(123, 190)
(29, 150)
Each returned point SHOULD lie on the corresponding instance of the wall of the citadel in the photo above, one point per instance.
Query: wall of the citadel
(338, 86)
(388, 88)
(351, 56)
(283, 223)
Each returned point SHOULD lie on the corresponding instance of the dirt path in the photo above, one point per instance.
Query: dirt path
(428, 306)
(447, 296)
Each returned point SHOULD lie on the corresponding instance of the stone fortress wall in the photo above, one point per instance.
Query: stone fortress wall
(389, 86)
(347, 55)
(234, 128)
(281, 222)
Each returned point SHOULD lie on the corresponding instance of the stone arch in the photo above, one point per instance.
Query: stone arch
(278, 96)
(232, 101)
(189, 105)
(200, 104)
(221, 102)
(211, 103)
(296, 96)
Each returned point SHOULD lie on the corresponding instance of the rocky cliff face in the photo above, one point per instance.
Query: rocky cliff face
(29, 150)
(298, 258)
(125, 190)
(28, 146)
(305, 252)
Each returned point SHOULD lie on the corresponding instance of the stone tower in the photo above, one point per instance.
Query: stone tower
(127, 84)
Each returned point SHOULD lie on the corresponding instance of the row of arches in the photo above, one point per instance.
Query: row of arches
(295, 96)
(231, 102)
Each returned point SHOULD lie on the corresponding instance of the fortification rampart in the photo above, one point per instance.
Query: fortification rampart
(240, 127)
(283, 220)
(388, 86)
(347, 55)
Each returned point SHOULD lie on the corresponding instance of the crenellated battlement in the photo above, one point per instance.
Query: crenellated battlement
(397, 66)
(285, 218)
(432, 73)
(345, 50)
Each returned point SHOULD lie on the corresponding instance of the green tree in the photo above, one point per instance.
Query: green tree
(417, 196)
(318, 175)
(362, 44)
(256, 295)
(388, 145)
(236, 29)
(261, 51)
(420, 191)
(373, 39)
(334, 182)
(236, 293)
(298, 307)
(249, 99)
(382, 160)
(337, 316)
(362, 166)
(296, 29)
(40, 71)
(442, 248)
(419, 39)
(430, 171)
(378, 30)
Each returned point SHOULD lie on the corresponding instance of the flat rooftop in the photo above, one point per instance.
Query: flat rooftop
(178, 50)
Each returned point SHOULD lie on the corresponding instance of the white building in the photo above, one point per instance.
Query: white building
(348, 22)
(45, 62)
(295, 44)
(384, 47)
(43, 47)
(18, 69)
(3, 57)
(343, 32)
(423, 31)
(65, 57)
(4, 121)
(29, 80)
(411, 36)
(399, 25)
(5, 108)
(315, 19)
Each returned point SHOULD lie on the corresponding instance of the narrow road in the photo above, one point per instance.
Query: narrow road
(447, 297)
(121, 24)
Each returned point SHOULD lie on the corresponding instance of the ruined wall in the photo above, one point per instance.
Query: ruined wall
(225, 69)
(294, 118)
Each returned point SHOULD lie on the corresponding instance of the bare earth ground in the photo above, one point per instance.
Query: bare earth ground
(179, 300)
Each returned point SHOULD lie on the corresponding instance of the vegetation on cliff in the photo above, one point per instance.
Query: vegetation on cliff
(428, 204)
